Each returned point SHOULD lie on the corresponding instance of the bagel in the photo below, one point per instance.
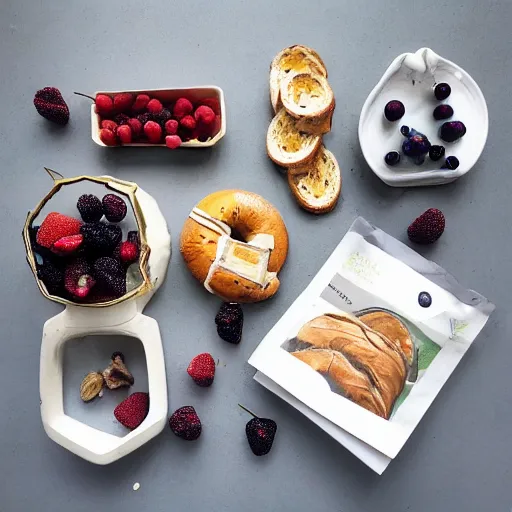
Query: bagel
(306, 95)
(235, 242)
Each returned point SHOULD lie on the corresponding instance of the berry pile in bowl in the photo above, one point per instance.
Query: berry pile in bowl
(172, 118)
(425, 123)
(86, 242)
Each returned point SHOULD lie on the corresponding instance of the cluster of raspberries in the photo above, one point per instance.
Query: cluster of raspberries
(127, 118)
(85, 260)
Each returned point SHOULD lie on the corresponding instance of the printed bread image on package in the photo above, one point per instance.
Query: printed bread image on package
(369, 357)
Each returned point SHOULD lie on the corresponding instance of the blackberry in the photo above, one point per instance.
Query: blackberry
(144, 118)
(121, 119)
(162, 117)
(101, 238)
(185, 423)
(52, 277)
(230, 321)
(114, 208)
(90, 208)
(109, 272)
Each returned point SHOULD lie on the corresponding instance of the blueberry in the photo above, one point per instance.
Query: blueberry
(442, 91)
(442, 112)
(436, 152)
(452, 162)
(392, 158)
(394, 110)
(452, 131)
(416, 144)
(424, 299)
(404, 130)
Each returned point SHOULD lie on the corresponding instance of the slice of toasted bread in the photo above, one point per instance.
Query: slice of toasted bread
(295, 59)
(286, 145)
(306, 95)
(317, 185)
(317, 125)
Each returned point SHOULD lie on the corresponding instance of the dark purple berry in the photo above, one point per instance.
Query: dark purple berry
(114, 208)
(90, 208)
(442, 91)
(452, 131)
(424, 299)
(443, 112)
(121, 119)
(451, 163)
(109, 272)
(392, 158)
(230, 321)
(394, 110)
(416, 145)
(404, 130)
(436, 152)
(100, 238)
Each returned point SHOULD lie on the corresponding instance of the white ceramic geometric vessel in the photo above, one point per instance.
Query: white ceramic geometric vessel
(410, 78)
(166, 95)
(125, 318)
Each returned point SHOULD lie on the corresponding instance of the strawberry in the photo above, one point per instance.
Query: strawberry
(260, 433)
(132, 411)
(202, 369)
(56, 226)
(428, 227)
(67, 244)
(185, 423)
(50, 104)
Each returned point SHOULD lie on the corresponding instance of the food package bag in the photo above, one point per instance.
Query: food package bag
(370, 342)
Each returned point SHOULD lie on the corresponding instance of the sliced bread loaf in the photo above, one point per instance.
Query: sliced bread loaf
(286, 145)
(317, 185)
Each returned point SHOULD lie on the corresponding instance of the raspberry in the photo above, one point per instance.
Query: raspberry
(78, 280)
(230, 321)
(172, 141)
(52, 276)
(114, 208)
(101, 238)
(50, 104)
(171, 127)
(67, 245)
(90, 208)
(154, 106)
(188, 122)
(182, 108)
(153, 132)
(132, 411)
(213, 103)
(204, 115)
(128, 252)
(123, 101)
(104, 104)
(108, 137)
(207, 131)
(141, 102)
(185, 423)
(202, 369)
(136, 127)
(110, 274)
(121, 119)
(109, 125)
(124, 133)
(55, 226)
(428, 227)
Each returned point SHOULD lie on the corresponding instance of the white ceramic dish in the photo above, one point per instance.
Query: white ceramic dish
(410, 79)
(166, 95)
(123, 318)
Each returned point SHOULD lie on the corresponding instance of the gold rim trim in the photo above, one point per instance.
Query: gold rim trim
(127, 188)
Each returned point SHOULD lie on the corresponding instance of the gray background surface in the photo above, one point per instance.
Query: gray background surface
(459, 458)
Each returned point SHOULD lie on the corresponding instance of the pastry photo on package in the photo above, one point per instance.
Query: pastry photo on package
(373, 338)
